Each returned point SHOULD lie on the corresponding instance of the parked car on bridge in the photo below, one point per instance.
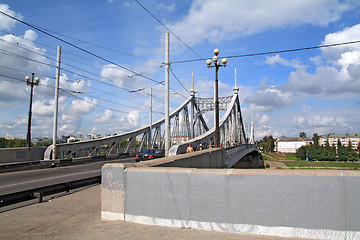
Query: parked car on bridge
(148, 154)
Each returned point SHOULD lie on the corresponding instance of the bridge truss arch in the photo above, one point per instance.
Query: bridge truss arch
(187, 125)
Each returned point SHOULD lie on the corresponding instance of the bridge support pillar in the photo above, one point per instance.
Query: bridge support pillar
(250, 161)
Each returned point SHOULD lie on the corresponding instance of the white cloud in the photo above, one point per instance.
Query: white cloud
(121, 77)
(7, 23)
(236, 18)
(268, 98)
(168, 8)
(342, 75)
(14, 46)
(264, 119)
(133, 118)
(324, 122)
(104, 118)
(294, 63)
(263, 126)
(129, 122)
(347, 35)
(81, 107)
(10, 91)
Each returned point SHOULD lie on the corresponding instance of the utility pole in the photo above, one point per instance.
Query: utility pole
(167, 122)
(149, 139)
(56, 102)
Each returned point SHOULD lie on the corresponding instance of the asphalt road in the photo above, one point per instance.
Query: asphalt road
(19, 181)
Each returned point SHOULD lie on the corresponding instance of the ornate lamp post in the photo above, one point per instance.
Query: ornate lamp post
(32, 83)
(216, 65)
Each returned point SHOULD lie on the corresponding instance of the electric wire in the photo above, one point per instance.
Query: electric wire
(136, 91)
(67, 52)
(135, 73)
(77, 47)
(179, 81)
(274, 52)
(73, 92)
(35, 52)
(167, 29)
(82, 92)
(89, 43)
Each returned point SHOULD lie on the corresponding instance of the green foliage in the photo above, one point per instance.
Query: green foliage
(302, 135)
(326, 153)
(43, 143)
(3, 143)
(316, 138)
(267, 143)
(12, 143)
(301, 152)
(124, 143)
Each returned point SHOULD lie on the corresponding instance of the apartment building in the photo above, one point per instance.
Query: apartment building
(345, 139)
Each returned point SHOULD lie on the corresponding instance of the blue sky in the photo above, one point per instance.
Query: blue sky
(313, 91)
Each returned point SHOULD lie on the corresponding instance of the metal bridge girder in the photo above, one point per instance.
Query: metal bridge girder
(231, 127)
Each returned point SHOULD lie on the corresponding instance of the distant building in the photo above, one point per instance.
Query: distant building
(290, 145)
(345, 139)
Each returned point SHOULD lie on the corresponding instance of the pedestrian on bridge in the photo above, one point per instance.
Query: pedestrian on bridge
(189, 148)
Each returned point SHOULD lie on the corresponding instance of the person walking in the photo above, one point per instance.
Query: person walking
(189, 148)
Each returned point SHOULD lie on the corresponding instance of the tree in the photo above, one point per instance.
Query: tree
(3, 143)
(271, 143)
(302, 135)
(316, 139)
(301, 152)
(43, 143)
(352, 154)
(267, 143)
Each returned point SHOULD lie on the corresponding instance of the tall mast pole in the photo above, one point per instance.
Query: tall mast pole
(167, 122)
(149, 139)
(56, 102)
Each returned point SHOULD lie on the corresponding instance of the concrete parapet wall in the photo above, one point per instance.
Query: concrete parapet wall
(286, 203)
(209, 158)
(11, 155)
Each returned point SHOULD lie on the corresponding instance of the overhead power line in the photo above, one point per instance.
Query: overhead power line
(168, 29)
(179, 82)
(273, 52)
(77, 47)
(38, 28)
(73, 92)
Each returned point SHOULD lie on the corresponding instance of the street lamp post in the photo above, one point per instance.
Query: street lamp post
(32, 83)
(216, 65)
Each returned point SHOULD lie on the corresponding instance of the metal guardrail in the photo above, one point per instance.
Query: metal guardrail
(16, 166)
(40, 192)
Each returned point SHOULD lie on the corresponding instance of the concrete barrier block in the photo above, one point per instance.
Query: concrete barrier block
(113, 191)
(164, 194)
(300, 204)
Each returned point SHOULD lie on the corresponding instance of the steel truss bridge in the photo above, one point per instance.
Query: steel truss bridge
(187, 125)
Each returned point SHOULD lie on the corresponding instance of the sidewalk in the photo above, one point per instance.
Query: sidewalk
(77, 216)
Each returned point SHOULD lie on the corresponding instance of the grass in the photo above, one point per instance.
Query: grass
(323, 164)
(296, 163)
(279, 156)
